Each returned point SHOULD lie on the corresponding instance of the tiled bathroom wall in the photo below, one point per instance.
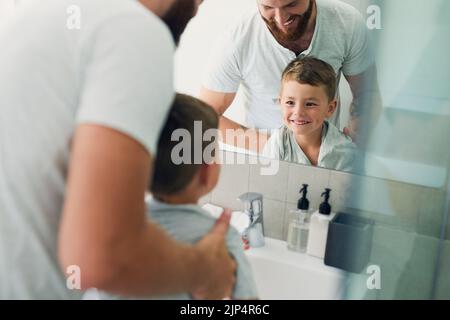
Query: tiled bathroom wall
(392, 204)
(406, 216)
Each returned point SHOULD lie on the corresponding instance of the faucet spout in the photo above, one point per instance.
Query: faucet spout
(253, 207)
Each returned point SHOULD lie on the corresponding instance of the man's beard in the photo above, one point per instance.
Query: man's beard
(178, 17)
(298, 32)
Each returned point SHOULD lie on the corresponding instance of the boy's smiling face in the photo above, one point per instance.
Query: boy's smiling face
(305, 107)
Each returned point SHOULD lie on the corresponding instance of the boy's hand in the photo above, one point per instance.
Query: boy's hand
(216, 276)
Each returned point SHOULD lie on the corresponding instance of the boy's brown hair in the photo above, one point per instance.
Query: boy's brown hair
(168, 177)
(312, 71)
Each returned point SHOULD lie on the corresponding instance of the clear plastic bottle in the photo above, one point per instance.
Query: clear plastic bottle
(298, 230)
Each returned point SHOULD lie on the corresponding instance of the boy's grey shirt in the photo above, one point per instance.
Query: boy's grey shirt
(337, 151)
(190, 223)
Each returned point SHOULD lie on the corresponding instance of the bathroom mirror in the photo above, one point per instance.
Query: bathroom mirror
(197, 52)
(405, 120)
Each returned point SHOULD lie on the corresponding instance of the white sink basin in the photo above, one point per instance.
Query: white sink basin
(281, 274)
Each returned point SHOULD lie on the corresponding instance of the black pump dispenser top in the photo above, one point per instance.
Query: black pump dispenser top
(325, 207)
(303, 202)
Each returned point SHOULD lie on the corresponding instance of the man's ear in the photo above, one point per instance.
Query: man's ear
(331, 108)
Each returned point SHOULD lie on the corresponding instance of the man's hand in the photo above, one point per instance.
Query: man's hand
(218, 268)
(352, 129)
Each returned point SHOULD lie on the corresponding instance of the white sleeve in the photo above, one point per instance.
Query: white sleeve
(360, 55)
(128, 82)
(223, 73)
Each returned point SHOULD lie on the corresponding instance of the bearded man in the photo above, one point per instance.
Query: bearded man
(253, 55)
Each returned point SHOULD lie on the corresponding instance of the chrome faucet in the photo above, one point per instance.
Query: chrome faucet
(253, 207)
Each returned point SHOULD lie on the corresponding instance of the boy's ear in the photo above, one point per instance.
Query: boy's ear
(331, 108)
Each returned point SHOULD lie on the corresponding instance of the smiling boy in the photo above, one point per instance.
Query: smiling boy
(307, 100)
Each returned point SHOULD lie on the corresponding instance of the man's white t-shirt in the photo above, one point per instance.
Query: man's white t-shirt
(249, 56)
(115, 70)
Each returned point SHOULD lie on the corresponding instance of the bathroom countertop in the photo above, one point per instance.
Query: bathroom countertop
(277, 250)
(284, 274)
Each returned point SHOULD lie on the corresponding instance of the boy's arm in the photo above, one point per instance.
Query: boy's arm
(105, 232)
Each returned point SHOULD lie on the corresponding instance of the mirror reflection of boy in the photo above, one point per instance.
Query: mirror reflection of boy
(177, 186)
(307, 99)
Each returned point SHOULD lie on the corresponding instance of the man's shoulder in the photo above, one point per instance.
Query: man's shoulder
(135, 10)
(246, 27)
(337, 6)
(111, 13)
(338, 12)
(89, 13)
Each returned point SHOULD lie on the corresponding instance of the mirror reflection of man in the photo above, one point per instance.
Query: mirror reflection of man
(96, 98)
(256, 51)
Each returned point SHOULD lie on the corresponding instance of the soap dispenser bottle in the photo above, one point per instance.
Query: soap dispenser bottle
(319, 223)
(297, 237)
